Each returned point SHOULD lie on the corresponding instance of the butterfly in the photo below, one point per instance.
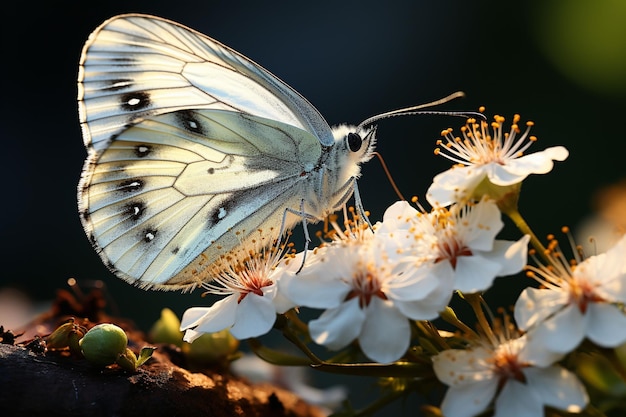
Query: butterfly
(193, 148)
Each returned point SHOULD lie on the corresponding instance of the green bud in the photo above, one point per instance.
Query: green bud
(212, 347)
(103, 344)
(66, 335)
(167, 329)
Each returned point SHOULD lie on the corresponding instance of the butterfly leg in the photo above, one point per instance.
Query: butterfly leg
(348, 189)
(304, 216)
(359, 204)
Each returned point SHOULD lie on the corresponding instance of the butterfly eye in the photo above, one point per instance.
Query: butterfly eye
(354, 142)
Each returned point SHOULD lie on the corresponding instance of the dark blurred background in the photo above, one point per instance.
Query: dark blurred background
(560, 63)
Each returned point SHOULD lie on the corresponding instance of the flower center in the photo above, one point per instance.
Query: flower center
(365, 286)
(451, 249)
(508, 366)
(581, 293)
(252, 282)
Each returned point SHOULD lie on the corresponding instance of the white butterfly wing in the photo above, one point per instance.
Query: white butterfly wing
(136, 66)
(174, 192)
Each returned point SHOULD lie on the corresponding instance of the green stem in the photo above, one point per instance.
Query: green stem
(521, 224)
(300, 326)
(450, 317)
(475, 301)
(293, 338)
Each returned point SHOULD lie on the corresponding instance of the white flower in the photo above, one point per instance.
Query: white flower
(249, 282)
(460, 241)
(583, 300)
(367, 296)
(499, 158)
(523, 379)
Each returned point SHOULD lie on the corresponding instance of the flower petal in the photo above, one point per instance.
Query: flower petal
(474, 273)
(512, 256)
(219, 316)
(503, 175)
(557, 387)
(415, 283)
(191, 335)
(534, 306)
(481, 225)
(516, 399)
(454, 185)
(254, 317)
(468, 400)
(337, 327)
(535, 353)
(386, 333)
(282, 303)
(538, 162)
(455, 367)
(563, 331)
(314, 289)
(397, 216)
(607, 325)
(192, 317)
(609, 272)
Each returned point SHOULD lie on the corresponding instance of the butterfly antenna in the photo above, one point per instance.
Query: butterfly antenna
(415, 110)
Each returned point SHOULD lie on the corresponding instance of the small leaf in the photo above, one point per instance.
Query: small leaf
(144, 355)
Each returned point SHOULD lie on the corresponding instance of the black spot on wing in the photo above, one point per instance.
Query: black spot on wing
(189, 121)
(131, 185)
(143, 150)
(175, 250)
(135, 209)
(137, 100)
(218, 215)
(148, 235)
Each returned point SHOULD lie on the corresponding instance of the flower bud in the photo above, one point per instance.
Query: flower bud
(103, 344)
(167, 329)
(212, 347)
(66, 335)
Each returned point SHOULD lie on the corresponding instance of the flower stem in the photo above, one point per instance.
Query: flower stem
(450, 317)
(476, 301)
(521, 224)
(299, 325)
(293, 338)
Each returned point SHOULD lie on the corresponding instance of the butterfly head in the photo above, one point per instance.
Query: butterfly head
(355, 143)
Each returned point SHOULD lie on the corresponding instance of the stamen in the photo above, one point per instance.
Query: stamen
(478, 147)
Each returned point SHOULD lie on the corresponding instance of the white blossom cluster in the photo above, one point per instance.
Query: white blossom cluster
(371, 284)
